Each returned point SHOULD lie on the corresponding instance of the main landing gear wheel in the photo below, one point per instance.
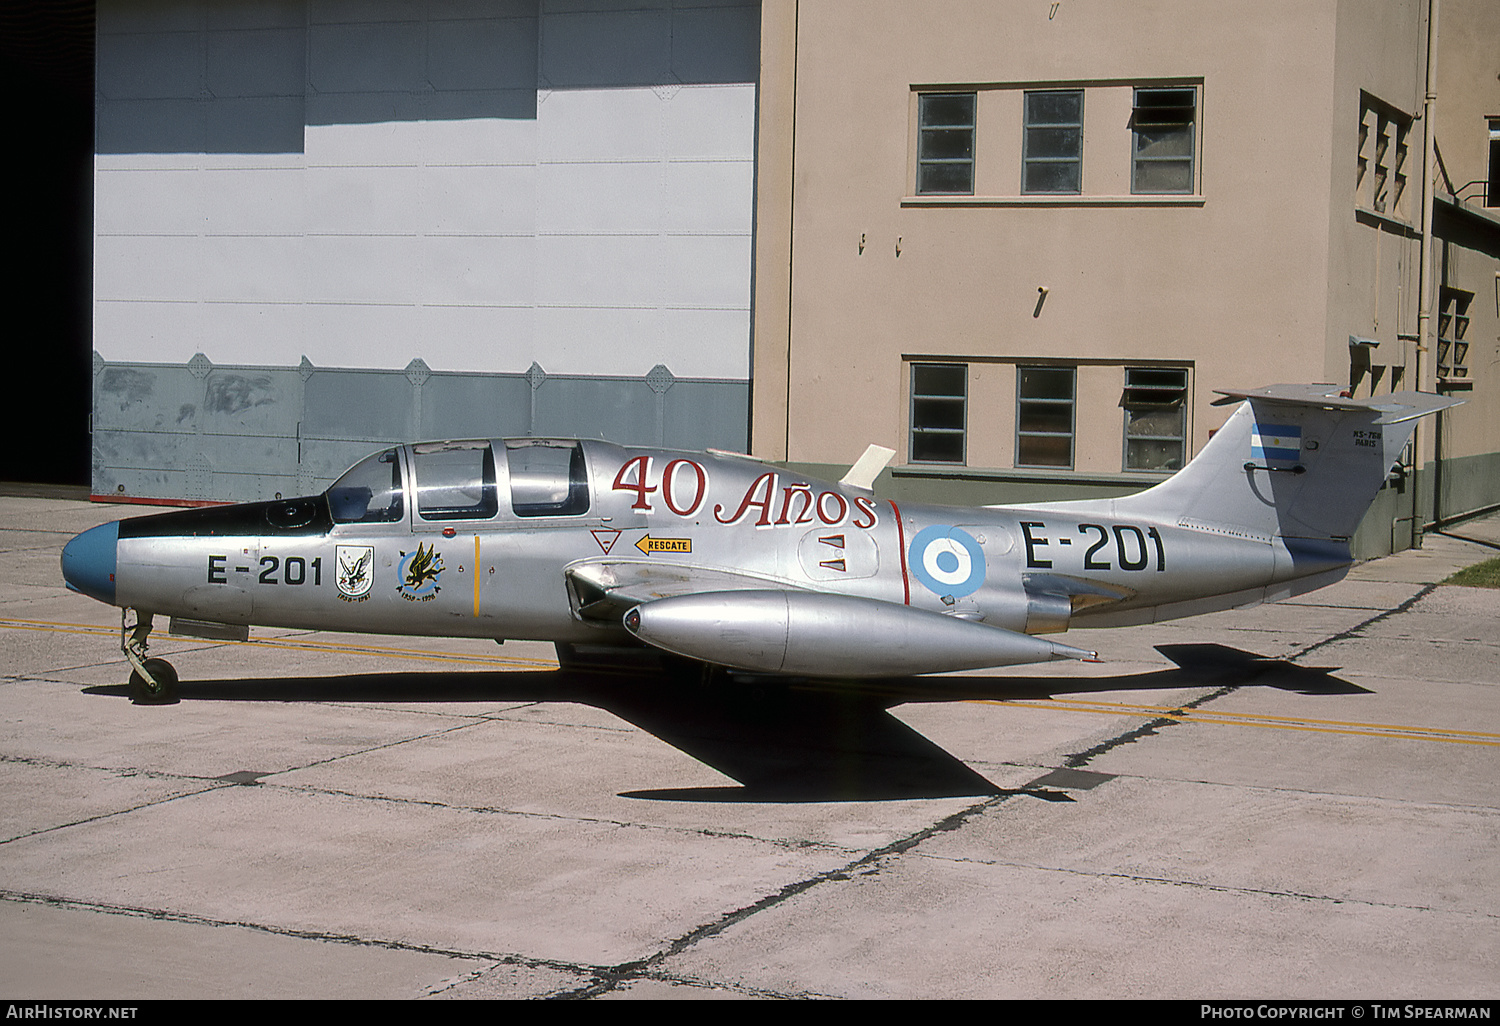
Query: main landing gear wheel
(159, 689)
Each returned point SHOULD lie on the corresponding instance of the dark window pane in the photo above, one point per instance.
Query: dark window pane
(1155, 423)
(1051, 417)
(1044, 451)
(938, 379)
(1164, 106)
(937, 448)
(1163, 177)
(1164, 142)
(938, 413)
(1053, 142)
(1054, 108)
(1053, 178)
(1151, 378)
(1153, 455)
(939, 109)
(1046, 383)
(1492, 193)
(948, 144)
(945, 178)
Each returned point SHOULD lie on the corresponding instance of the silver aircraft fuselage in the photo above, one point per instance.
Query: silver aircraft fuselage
(734, 562)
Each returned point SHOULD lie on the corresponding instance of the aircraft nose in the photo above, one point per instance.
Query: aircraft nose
(88, 562)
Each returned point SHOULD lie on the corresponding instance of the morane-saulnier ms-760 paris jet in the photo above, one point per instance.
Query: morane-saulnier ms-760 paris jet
(736, 563)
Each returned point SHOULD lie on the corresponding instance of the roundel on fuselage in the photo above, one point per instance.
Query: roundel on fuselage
(947, 560)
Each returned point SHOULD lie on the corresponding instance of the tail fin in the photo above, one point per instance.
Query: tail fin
(1295, 461)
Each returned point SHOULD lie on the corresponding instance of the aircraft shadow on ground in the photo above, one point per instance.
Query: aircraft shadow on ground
(783, 740)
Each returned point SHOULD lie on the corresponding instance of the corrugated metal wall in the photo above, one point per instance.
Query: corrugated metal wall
(239, 433)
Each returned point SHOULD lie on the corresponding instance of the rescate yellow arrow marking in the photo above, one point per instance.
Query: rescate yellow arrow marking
(648, 544)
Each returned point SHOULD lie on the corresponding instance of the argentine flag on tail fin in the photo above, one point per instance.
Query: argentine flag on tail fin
(1276, 442)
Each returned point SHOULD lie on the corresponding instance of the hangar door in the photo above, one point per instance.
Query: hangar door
(322, 226)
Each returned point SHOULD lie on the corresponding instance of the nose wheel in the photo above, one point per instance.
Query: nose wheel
(152, 681)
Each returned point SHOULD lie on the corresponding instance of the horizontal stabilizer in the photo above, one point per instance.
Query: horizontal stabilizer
(1390, 409)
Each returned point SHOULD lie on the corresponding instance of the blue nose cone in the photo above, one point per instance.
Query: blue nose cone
(88, 562)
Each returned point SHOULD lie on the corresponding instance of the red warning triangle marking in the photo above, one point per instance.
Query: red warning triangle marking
(606, 537)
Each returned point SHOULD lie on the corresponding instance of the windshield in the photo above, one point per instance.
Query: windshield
(369, 492)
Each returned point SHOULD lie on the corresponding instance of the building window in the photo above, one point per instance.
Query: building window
(939, 401)
(1163, 125)
(1052, 149)
(1492, 187)
(1155, 404)
(1044, 416)
(1453, 326)
(945, 144)
(1380, 180)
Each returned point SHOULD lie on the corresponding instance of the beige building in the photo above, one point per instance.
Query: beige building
(1023, 242)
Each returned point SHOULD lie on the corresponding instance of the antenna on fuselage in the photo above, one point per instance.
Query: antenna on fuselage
(868, 467)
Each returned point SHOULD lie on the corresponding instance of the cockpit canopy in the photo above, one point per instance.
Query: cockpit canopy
(458, 481)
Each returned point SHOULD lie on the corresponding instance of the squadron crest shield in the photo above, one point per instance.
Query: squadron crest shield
(355, 572)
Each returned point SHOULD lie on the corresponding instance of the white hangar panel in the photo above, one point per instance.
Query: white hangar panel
(602, 198)
(696, 189)
(354, 201)
(363, 56)
(466, 199)
(131, 201)
(712, 121)
(482, 53)
(599, 124)
(379, 269)
(250, 200)
(256, 62)
(173, 332)
(492, 142)
(600, 46)
(453, 335)
(704, 271)
(480, 271)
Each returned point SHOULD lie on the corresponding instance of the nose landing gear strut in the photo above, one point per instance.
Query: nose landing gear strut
(152, 681)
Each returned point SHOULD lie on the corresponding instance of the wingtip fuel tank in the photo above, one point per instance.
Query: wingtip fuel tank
(820, 635)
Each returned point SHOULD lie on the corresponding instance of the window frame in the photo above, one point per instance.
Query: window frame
(914, 429)
(926, 132)
(1028, 127)
(1492, 181)
(1137, 121)
(1024, 401)
(1126, 409)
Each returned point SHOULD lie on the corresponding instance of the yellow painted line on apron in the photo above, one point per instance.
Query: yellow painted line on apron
(297, 644)
(1319, 726)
